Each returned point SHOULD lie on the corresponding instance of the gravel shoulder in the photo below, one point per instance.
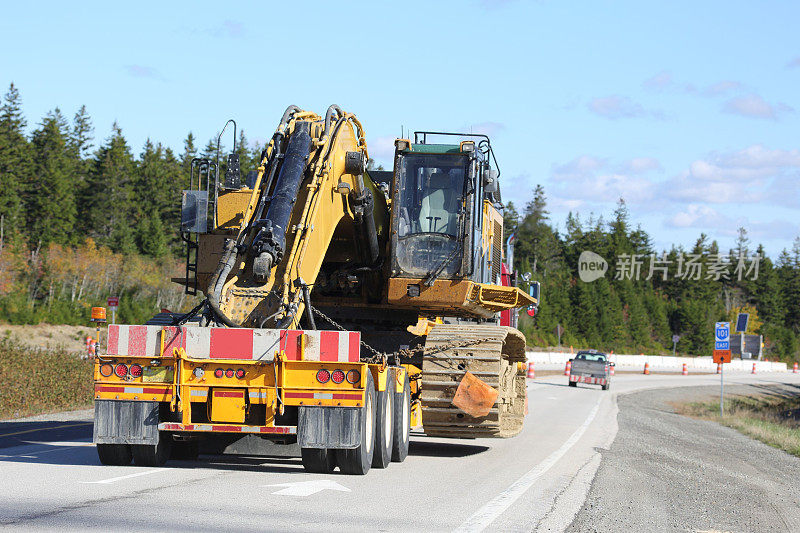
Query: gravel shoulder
(667, 472)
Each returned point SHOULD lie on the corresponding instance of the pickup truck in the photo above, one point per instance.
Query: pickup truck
(590, 366)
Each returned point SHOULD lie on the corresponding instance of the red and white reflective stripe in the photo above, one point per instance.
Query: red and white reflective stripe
(324, 395)
(235, 343)
(227, 428)
(132, 390)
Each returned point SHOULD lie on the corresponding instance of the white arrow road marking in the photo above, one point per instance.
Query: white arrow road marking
(494, 508)
(307, 488)
(120, 478)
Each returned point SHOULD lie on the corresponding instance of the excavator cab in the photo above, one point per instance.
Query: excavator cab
(445, 198)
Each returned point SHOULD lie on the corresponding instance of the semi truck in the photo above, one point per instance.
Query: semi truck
(341, 306)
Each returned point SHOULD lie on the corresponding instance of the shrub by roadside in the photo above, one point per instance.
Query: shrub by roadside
(40, 381)
(774, 419)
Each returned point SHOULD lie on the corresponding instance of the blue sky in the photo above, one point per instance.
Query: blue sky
(688, 110)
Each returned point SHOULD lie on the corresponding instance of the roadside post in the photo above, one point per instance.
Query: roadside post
(99, 318)
(675, 339)
(722, 354)
(113, 303)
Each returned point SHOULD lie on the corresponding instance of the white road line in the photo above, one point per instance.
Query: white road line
(487, 514)
(129, 476)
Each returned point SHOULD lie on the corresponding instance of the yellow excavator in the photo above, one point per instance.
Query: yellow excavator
(343, 306)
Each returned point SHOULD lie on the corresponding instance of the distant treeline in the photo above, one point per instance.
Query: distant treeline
(688, 290)
(82, 219)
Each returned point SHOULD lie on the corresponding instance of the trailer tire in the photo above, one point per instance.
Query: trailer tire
(402, 422)
(358, 460)
(384, 424)
(573, 383)
(152, 455)
(318, 460)
(114, 454)
(606, 386)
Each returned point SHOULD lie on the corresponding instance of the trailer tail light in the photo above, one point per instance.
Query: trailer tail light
(106, 370)
(323, 376)
(240, 373)
(218, 373)
(121, 370)
(353, 376)
(135, 371)
(229, 373)
(337, 376)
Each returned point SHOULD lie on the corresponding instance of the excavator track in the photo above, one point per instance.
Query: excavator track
(491, 353)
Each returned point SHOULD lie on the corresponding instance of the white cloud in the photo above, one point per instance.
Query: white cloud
(659, 82)
(754, 106)
(751, 175)
(640, 165)
(588, 180)
(722, 87)
(710, 220)
(695, 215)
(615, 107)
(485, 128)
(382, 148)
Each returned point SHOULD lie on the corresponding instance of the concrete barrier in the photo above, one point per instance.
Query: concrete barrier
(663, 362)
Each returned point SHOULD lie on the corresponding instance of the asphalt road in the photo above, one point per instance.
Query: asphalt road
(708, 478)
(536, 481)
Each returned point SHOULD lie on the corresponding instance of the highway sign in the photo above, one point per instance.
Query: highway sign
(113, 302)
(722, 342)
(676, 338)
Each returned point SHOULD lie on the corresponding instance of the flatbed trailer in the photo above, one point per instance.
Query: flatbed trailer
(164, 387)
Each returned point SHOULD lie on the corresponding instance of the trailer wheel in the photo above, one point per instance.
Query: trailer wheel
(573, 383)
(318, 460)
(384, 424)
(114, 454)
(358, 460)
(607, 385)
(152, 455)
(402, 422)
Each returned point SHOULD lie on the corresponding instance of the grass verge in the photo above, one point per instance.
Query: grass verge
(774, 419)
(42, 381)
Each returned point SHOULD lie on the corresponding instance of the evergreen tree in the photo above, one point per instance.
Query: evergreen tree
(109, 206)
(152, 240)
(15, 162)
(53, 211)
(510, 219)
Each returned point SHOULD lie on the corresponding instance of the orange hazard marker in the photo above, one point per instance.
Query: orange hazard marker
(568, 368)
(794, 369)
(719, 368)
(570, 348)
(685, 371)
(531, 371)
(612, 371)
(754, 369)
(647, 369)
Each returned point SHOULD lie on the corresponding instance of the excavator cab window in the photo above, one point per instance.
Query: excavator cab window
(431, 192)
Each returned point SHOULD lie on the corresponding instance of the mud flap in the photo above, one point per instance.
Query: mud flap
(474, 397)
(125, 422)
(329, 427)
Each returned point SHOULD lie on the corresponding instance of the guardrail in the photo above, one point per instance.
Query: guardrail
(663, 362)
